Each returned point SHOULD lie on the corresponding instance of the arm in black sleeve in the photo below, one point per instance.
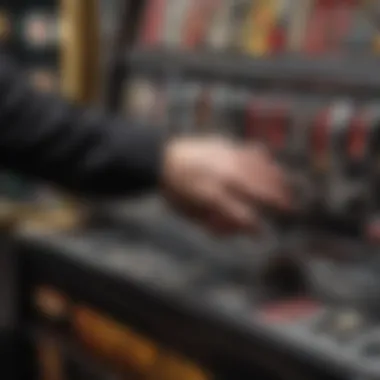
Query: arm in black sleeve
(45, 137)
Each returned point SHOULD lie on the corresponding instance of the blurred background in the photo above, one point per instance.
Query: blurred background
(190, 66)
(249, 69)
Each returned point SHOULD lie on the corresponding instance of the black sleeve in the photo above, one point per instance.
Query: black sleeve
(80, 149)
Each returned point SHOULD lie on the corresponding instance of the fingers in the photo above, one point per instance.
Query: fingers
(259, 179)
(223, 214)
(223, 184)
(262, 188)
(229, 214)
(255, 183)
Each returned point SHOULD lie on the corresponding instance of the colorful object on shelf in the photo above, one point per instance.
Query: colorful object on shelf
(260, 27)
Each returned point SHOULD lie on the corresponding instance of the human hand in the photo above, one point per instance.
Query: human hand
(222, 184)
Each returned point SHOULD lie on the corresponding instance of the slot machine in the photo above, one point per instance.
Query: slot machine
(146, 294)
(129, 294)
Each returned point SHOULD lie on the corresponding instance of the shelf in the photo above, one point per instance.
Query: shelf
(342, 73)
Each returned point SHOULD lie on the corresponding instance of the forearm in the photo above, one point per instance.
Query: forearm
(82, 150)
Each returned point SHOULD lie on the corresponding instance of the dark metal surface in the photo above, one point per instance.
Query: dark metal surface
(181, 325)
(344, 73)
(204, 297)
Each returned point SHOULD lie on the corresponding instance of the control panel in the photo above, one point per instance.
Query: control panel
(330, 149)
(313, 293)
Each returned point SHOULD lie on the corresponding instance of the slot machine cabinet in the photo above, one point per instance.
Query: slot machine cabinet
(220, 332)
(203, 66)
(63, 346)
(157, 305)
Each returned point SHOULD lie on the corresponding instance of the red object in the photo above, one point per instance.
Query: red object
(153, 23)
(358, 137)
(277, 40)
(341, 21)
(254, 126)
(320, 133)
(277, 127)
(204, 108)
(289, 310)
(316, 41)
(198, 22)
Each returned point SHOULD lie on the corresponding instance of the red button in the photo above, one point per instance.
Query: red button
(289, 310)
